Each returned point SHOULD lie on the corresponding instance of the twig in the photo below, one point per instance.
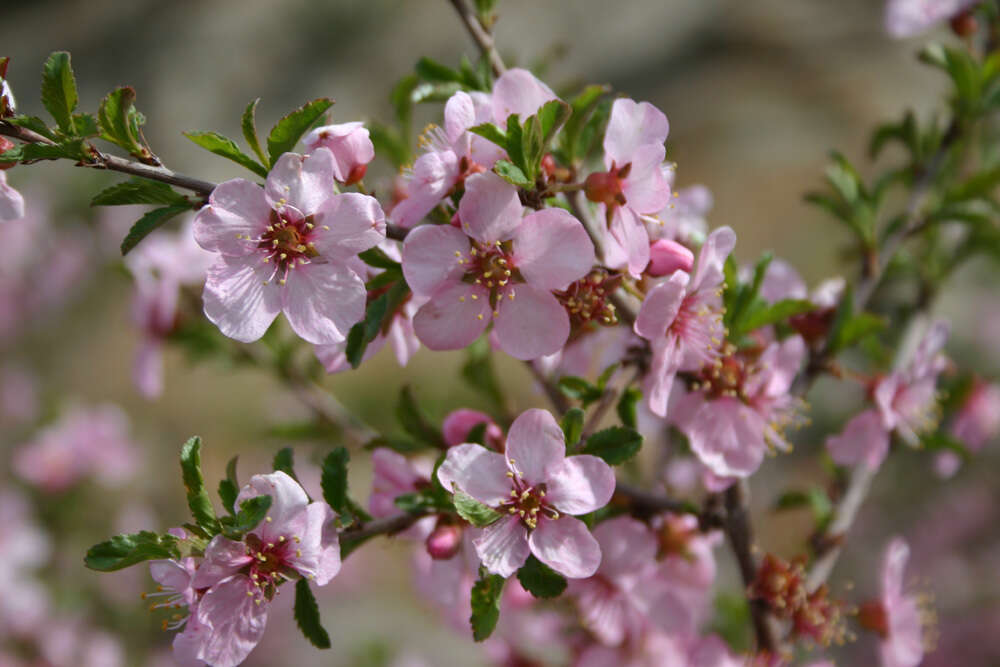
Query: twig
(605, 402)
(550, 388)
(384, 526)
(480, 34)
(645, 501)
(830, 543)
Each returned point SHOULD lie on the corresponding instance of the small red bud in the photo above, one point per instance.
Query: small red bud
(549, 165)
(666, 256)
(357, 173)
(5, 145)
(445, 541)
(603, 187)
(872, 616)
(964, 24)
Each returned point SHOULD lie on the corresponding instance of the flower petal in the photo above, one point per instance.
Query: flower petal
(223, 557)
(238, 301)
(503, 546)
(629, 232)
(518, 91)
(532, 324)
(490, 209)
(318, 555)
(236, 209)
(565, 545)
(432, 176)
(452, 319)
(713, 255)
(11, 201)
(580, 484)
(305, 182)
(647, 189)
(660, 307)
(864, 440)
(288, 500)
(235, 620)
(632, 125)
(476, 471)
(552, 249)
(728, 437)
(430, 259)
(356, 223)
(323, 301)
(535, 445)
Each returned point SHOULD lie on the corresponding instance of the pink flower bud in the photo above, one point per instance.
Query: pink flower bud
(458, 424)
(444, 542)
(351, 146)
(667, 256)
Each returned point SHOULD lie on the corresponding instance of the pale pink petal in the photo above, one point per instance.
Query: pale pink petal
(236, 209)
(632, 125)
(430, 259)
(223, 557)
(894, 563)
(235, 621)
(319, 546)
(712, 257)
(170, 574)
(517, 91)
(392, 476)
(552, 249)
(147, 368)
(457, 424)
(603, 610)
(490, 209)
(188, 643)
(459, 115)
(434, 174)
(728, 437)
(580, 484)
(646, 189)
(532, 324)
(238, 301)
(349, 143)
(323, 301)
(456, 315)
(782, 281)
(503, 546)
(476, 471)
(627, 546)
(288, 500)
(11, 201)
(333, 357)
(630, 233)
(356, 223)
(303, 182)
(565, 545)
(864, 440)
(403, 339)
(666, 256)
(536, 445)
(660, 307)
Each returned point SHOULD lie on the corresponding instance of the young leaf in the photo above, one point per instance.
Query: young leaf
(578, 388)
(377, 314)
(491, 132)
(377, 258)
(552, 116)
(512, 174)
(249, 125)
(227, 148)
(307, 615)
(334, 479)
(194, 485)
(532, 147)
(582, 106)
(252, 511)
(139, 191)
(149, 223)
(413, 421)
(615, 445)
(229, 487)
(431, 70)
(125, 550)
(473, 511)
(572, 426)
(627, 406)
(118, 120)
(540, 580)
(774, 313)
(287, 131)
(284, 461)
(33, 123)
(485, 604)
(59, 90)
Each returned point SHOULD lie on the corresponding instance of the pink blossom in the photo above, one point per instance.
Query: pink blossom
(351, 147)
(296, 537)
(978, 419)
(682, 318)
(684, 218)
(666, 256)
(83, 442)
(457, 425)
(905, 18)
(499, 267)
(11, 201)
(392, 476)
(454, 153)
(634, 185)
(24, 549)
(899, 613)
(534, 486)
(864, 440)
(285, 248)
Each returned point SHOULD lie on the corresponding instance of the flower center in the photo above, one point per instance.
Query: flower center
(724, 377)
(698, 325)
(586, 300)
(287, 241)
(491, 265)
(271, 562)
(526, 501)
(605, 187)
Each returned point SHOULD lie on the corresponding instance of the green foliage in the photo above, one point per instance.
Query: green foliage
(849, 200)
(139, 191)
(248, 123)
(615, 445)
(572, 147)
(334, 480)
(814, 498)
(194, 484)
(227, 148)
(59, 91)
(626, 407)
(307, 616)
(252, 511)
(473, 511)
(229, 487)
(149, 223)
(572, 426)
(850, 328)
(120, 121)
(377, 317)
(746, 311)
(485, 604)
(540, 580)
(580, 389)
(413, 421)
(287, 131)
(124, 550)
(284, 461)
(512, 174)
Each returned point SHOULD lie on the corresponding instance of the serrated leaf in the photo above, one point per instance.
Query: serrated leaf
(229, 488)
(572, 426)
(287, 131)
(194, 485)
(582, 106)
(86, 125)
(473, 511)
(377, 258)
(532, 147)
(59, 90)
(626, 407)
(307, 616)
(33, 123)
(27, 153)
(512, 174)
(540, 580)
(124, 550)
(115, 117)
(284, 461)
(615, 445)
(552, 115)
(248, 123)
(334, 479)
(491, 132)
(515, 139)
(149, 223)
(413, 421)
(139, 191)
(227, 148)
(252, 511)
(485, 604)
(774, 313)
(431, 70)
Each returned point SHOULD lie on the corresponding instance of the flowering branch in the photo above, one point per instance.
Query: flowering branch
(480, 34)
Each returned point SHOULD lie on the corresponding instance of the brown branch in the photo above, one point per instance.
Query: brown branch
(480, 34)
(551, 389)
(604, 404)
(384, 526)
(647, 502)
(830, 543)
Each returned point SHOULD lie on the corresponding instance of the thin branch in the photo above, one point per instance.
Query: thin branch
(607, 399)
(647, 502)
(831, 542)
(551, 389)
(384, 526)
(480, 34)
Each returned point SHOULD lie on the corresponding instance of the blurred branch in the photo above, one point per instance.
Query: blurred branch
(607, 399)
(830, 543)
(385, 526)
(480, 34)
(550, 388)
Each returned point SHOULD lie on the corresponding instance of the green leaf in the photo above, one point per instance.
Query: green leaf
(229, 488)
(86, 125)
(515, 142)
(492, 133)
(377, 258)
(287, 131)
(473, 511)
(73, 149)
(227, 148)
(615, 445)
(858, 327)
(334, 479)
(572, 426)
(582, 106)
(248, 123)
(532, 147)
(485, 604)
(252, 511)
(284, 461)
(579, 389)
(33, 123)
(431, 70)
(626, 407)
(413, 421)
(479, 373)
(307, 615)
(540, 580)
(139, 191)
(194, 485)
(59, 90)
(378, 314)
(124, 550)
(512, 174)
(149, 223)
(119, 120)
(815, 499)
(552, 116)
(774, 313)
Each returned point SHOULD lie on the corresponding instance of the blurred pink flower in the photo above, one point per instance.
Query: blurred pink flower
(351, 147)
(458, 423)
(11, 201)
(896, 616)
(905, 18)
(18, 394)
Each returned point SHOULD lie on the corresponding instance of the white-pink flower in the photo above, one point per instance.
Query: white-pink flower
(498, 267)
(905, 18)
(351, 146)
(682, 319)
(634, 186)
(285, 248)
(896, 616)
(11, 201)
(534, 486)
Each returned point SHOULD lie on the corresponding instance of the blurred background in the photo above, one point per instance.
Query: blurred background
(757, 93)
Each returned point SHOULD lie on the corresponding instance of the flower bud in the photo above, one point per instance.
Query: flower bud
(5, 145)
(667, 256)
(964, 24)
(351, 146)
(445, 541)
(459, 423)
